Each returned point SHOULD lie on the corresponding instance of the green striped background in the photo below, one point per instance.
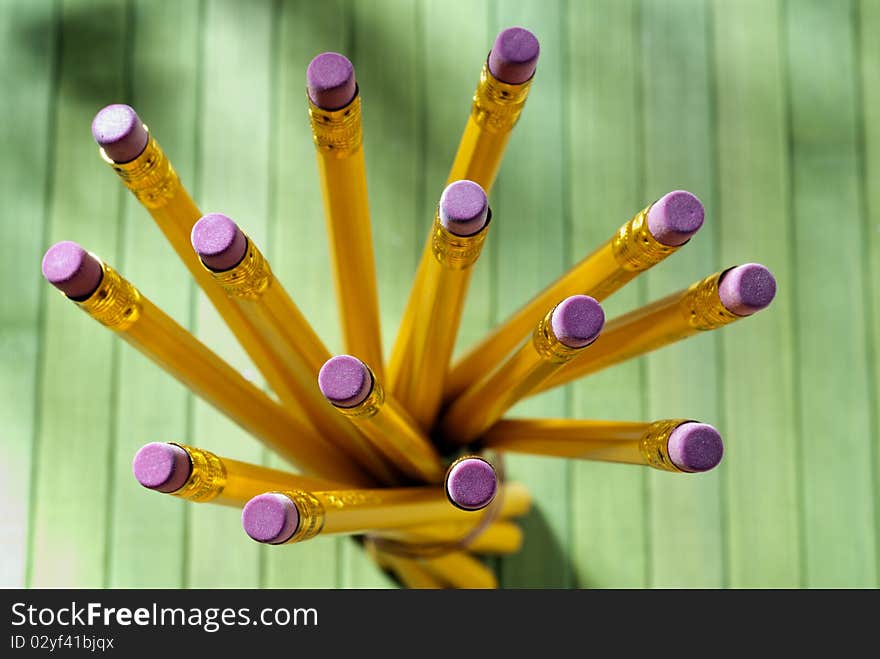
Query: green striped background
(766, 109)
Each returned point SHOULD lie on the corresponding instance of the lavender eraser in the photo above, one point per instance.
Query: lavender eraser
(162, 467)
(345, 381)
(695, 447)
(675, 217)
(514, 55)
(220, 244)
(746, 289)
(464, 208)
(271, 518)
(120, 132)
(471, 483)
(577, 321)
(72, 270)
(330, 81)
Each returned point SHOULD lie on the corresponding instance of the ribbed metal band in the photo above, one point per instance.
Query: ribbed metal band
(701, 306)
(207, 478)
(653, 444)
(311, 515)
(249, 278)
(116, 303)
(457, 252)
(497, 105)
(548, 346)
(337, 132)
(370, 406)
(150, 176)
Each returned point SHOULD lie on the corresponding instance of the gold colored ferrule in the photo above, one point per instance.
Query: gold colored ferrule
(654, 444)
(548, 346)
(150, 176)
(497, 105)
(207, 478)
(370, 406)
(116, 303)
(702, 307)
(311, 515)
(634, 246)
(249, 278)
(457, 252)
(337, 132)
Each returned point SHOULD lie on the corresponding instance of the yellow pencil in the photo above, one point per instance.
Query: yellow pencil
(565, 331)
(426, 337)
(354, 392)
(676, 445)
(717, 300)
(335, 115)
(114, 302)
(497, 538)
(642, 242)
(237, 264)
(293, 516)
(133, 153)
(453, 570)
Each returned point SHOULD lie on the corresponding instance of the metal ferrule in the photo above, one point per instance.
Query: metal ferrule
(634, 246)
(370, 406)
(548, 346)
(653, 444)
(457, 252)
(150, 176)
(337, 132)
(116, 303)
(702, 307)
(497, 105)
(311, 515)
(249, 279)
(207, 478)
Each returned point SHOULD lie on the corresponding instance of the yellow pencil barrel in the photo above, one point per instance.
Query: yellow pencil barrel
(636, 246)
(355, 392)
(335, 118)
(709, 304)
(461, 570)
(499, 537)
(564, 332)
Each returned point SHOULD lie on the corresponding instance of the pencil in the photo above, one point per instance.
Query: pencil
(497, 538)
(354, 392)
(642, 242)
(426, 338)
(335, 116)
(676, 445)
(713, 302)
(505, 81)
(408, 571)
(292, 516)
(236, 263)
(455, 569)
(565, 332)
(471, 483)
(198, 475)
(114, 302)
(134, 154)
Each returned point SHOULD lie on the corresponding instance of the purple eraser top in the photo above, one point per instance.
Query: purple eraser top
(464, 208)
(271, 518)
(72, 270)
(675, 217)
(471, 483)
(219, 242)
(514, 55)
(747, 289)
(120, 132)
(330, 81)
(345, 381)
(162, 467)
(577, 321)
(695, 447)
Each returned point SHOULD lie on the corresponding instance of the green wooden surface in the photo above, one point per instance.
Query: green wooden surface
(767, 110)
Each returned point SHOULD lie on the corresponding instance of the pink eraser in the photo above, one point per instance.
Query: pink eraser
(514, 55)
(577, 321)
(675, 217)
(220, 244)
(471, 483)
(330, 81)
(345, 381)
(464, 208)
(271, 518)
(72, 270)
(120, 132)
(746, 289)
(162, 467)
(695, 447)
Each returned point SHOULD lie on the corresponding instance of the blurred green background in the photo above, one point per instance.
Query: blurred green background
(768, 110)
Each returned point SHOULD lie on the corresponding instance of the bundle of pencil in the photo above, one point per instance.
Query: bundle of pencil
(397, 454)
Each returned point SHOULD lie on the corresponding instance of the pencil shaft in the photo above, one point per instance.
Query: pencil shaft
(341, 168)
(409, 571)
(461, 570)
(496, 538)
